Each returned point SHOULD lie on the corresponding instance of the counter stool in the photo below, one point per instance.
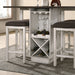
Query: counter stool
(64, 26)
(17, 25)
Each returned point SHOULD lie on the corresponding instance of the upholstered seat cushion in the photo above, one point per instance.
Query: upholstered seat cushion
(64, 24)
(18, 23)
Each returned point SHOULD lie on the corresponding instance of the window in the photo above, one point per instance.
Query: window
(5, 12)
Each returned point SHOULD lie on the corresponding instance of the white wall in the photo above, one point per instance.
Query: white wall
(2, 22)
(25, 3)
(69, 14)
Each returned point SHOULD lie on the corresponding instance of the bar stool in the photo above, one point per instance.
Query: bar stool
(17, 25)
(61, 52)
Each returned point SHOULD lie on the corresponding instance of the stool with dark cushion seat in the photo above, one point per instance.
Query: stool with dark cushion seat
(65, 24)
(62, 27)
(17, 25)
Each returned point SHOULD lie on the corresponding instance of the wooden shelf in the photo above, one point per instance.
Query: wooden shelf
(41, 36)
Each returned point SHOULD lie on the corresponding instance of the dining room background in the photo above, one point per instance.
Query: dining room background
(15, 13)
(68, 14)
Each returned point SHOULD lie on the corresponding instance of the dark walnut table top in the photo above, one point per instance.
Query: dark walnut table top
(41, 7)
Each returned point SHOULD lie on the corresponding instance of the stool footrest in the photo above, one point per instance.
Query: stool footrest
(15, 51)
(65, 56)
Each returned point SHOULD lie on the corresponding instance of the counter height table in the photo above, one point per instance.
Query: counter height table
(41, 18)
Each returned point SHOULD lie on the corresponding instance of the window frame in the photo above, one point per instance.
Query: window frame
(11, 13)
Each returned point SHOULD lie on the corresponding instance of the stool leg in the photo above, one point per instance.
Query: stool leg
(62, 43)
(16, 36)
(20, 39)
(74, 49)
(68, 40)
(16, 40)
(7, 44)
(28, 43)
(55, 52)
(24, 45)
(20, 47)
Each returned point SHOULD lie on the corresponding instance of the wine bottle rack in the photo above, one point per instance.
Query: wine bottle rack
(42, 44)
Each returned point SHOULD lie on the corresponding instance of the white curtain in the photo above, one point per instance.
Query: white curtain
(3, 11)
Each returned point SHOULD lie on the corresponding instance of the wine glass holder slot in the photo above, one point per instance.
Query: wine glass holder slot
(40, 12)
